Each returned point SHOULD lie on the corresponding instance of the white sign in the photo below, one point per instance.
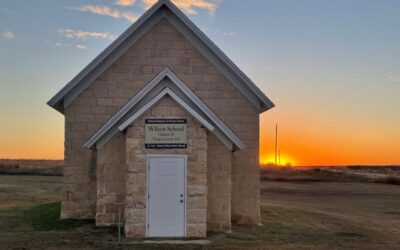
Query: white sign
(166, 133)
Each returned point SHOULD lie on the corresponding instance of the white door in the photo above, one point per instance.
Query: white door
(166, 196)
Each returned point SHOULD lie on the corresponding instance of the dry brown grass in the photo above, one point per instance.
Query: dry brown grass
(388, 175)
(31, 167)
(23, 190)
(32, 163)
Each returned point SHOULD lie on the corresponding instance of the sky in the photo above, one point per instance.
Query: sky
(331, 67)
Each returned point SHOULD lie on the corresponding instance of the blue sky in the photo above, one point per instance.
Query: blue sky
(326, 65)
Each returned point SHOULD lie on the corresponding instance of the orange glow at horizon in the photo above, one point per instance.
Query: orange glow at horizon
(327, 141)
(302, 141)
(285, 160)
(41, 138)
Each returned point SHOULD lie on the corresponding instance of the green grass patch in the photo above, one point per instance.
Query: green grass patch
(286, 226)
(299, 226)
(43, 217)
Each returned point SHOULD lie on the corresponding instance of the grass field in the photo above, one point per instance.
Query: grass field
(31, 167)
(295, 215)
(368, 174)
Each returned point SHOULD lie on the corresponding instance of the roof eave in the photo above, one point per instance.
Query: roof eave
(267, 106)
(57, 106)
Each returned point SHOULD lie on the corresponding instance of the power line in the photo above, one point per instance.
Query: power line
(370, 94)
(366, 83)
(371, 80)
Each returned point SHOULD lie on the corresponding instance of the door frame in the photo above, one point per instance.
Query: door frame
(148, 189)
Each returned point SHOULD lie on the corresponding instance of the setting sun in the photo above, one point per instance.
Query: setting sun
(283, 160)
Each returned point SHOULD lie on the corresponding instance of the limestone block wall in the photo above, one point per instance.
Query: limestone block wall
(219, 174)
(136, 158)
(246, 176)
(163, 46)
(79, 181)
(111, 181)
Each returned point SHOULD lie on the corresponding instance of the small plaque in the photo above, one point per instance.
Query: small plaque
(165, 133)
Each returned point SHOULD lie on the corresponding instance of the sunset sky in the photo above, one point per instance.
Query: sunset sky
(331, 67)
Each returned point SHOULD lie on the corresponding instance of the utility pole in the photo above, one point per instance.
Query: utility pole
(279, 157)
(276, 144)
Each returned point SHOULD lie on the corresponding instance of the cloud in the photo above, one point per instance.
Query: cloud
(189, 6)
(5, 10)
(81, 46)
(393, 77)
(69, 33)
(229, 34)
(225, 33)
(67, 45)
(8, 35)
(125, 3)
(106, 11)
(64, 45)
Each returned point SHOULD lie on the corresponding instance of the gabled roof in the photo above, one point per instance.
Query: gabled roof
(162, 9)
(157, 98)
(165, 83)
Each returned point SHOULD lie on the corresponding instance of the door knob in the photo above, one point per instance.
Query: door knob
(181, 201)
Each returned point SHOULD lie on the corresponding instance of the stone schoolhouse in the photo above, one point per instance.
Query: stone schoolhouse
(164, 127)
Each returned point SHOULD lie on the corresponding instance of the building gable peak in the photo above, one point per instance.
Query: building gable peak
(163, 9)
